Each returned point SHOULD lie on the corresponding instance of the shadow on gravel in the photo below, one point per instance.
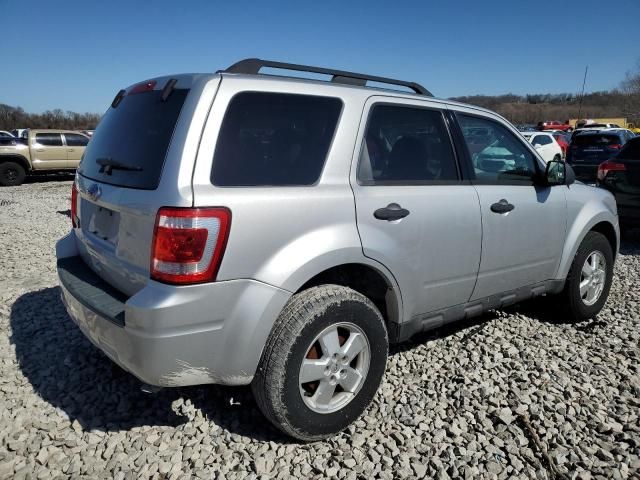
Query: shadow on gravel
(50, 177)
(68, 372)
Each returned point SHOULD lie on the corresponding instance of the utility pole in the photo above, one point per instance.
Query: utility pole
(584, 81)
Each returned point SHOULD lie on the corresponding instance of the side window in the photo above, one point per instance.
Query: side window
(407, 145)
(274, 139)
(543, 140)
(497, 155)
(76, 140)
(49, 139)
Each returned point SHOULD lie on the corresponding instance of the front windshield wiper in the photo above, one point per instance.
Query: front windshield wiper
(107, 164)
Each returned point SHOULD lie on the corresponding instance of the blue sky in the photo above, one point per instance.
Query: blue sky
(77, 55)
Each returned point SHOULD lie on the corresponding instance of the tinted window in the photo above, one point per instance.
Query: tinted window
(270, 139)
(631, 151)
(136, 133)
(406, 145)
(49, 139)
(601, 140)
(497, 154)
(76, 140)
(541, 140)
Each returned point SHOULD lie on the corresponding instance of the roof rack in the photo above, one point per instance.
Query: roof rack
(252, 66)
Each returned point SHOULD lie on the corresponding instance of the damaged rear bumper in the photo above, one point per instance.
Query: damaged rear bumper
(175, 336)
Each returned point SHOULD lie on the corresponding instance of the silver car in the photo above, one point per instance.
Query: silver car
(240, 228)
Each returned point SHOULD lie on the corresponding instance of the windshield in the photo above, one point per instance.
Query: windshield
(596, 140)
(134, 138)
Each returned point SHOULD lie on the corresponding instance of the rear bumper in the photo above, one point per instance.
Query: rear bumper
(173, 336)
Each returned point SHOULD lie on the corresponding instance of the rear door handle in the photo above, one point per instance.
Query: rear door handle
(391, 212)
(502, 206)
(70, 150)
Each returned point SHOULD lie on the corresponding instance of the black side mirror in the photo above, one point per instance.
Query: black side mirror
(559, 173)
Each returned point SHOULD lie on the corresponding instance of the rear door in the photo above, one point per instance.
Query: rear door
(523, 224)
(140, 158)
(48, 151)
(415, 213)
(75, 144)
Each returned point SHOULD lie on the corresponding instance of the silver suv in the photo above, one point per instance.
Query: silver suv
(241, 228)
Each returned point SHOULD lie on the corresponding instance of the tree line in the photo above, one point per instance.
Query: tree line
(16, 117)
(623, 101)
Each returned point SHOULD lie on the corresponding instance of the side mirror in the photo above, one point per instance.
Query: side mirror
(536, 146)
(559, 173)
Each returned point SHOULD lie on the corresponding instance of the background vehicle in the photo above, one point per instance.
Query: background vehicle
(618, 122)
(527, 128)
(555, 125)
(41, 151)
(621, 176)
(283, 231)
(628, 132)
(19, 132)
(564, 140)
(4, 133)
(590, 148)
(546, 145)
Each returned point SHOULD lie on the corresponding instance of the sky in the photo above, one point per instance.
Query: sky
(77, 55)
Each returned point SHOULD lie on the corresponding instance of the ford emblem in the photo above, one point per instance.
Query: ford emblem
(94, 191)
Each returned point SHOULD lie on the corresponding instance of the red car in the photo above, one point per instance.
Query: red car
(555, 125)
(563, 141)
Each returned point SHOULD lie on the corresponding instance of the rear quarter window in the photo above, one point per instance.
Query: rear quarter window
(136, 133)
(274, 139)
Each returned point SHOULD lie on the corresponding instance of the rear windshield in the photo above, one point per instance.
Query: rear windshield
(274, 139)
(595, 140)
(135, 134)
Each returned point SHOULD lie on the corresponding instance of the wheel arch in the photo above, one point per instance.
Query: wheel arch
(21, 160)
(368, 278)
(604, 223)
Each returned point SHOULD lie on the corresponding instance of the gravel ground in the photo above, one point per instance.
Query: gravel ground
(517, 394)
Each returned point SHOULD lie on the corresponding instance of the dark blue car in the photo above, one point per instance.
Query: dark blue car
(621, 176)
(589, 149)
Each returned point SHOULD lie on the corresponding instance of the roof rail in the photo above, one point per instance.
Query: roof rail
(252, 66)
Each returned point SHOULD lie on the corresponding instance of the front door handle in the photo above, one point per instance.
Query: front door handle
(70, 150)
(502, 207)
(391, 212)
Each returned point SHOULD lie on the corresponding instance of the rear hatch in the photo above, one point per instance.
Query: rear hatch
(590, 150)
(140, 158)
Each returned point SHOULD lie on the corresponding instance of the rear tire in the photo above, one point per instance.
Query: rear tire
(302, 338)
(590, 277)
(11, 174)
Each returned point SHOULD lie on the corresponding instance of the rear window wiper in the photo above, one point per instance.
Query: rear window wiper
(107, 164)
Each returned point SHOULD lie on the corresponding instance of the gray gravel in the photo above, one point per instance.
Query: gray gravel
(517, 394)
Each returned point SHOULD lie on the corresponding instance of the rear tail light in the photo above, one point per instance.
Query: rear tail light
(614, 146)
(143, 87)
(609, 166)
(188, 244)
(74, 205)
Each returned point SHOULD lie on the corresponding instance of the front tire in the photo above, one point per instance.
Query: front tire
(590, 277)
(323, 362)
(11, 174)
